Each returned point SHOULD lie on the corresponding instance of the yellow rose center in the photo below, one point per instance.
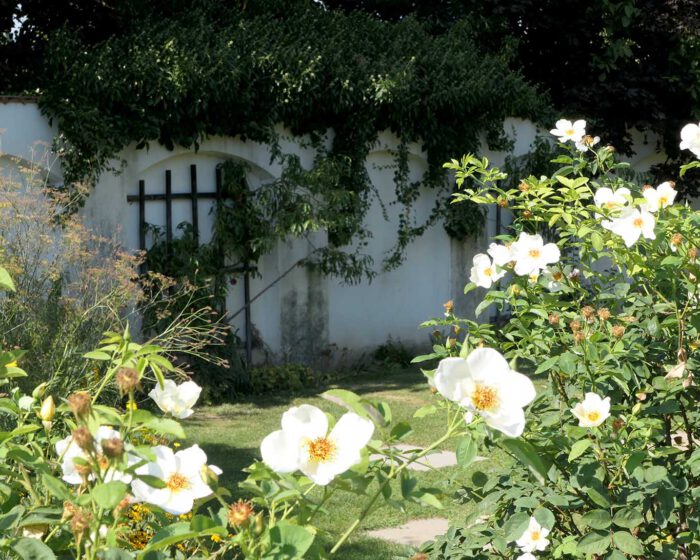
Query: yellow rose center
(177, 482)
(611, 204)
(485, 398)
(488, 272)
(663, 200)
(638, 222)
(534, 253)
(535, 535)
(321, 450)
(593, 416)
(557, 276)
(570, 132)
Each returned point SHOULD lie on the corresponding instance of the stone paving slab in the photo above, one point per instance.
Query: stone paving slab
(434, 460)
(413, 533)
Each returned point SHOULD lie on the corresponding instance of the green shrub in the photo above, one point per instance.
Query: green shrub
(599, 277)
(287, 377)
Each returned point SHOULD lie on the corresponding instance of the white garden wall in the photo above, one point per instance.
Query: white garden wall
(305, 316)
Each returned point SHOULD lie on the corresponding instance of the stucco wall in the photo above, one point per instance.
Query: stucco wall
(305, 316)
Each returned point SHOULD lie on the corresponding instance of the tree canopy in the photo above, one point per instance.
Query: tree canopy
(444, 73)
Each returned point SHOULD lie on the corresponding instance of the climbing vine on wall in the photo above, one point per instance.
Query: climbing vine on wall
(224, 70)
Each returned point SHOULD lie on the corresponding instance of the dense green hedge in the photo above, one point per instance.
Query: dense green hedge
(178, 79)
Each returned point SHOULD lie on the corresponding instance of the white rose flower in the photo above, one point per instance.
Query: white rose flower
(484, 273)
(500, 254)
(531, 254)
(526, 556)
(176, 400)
(484, 383)
(593, 411)
(690, 138)
(182, 474)
(304, 444)
(586, 143)
(68, 451)
(553, 280)
(660, 197)
(632, 223)
(606, 198)
(566, 130)
(534, 537)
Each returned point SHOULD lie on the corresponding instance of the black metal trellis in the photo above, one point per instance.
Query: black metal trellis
(194, 196)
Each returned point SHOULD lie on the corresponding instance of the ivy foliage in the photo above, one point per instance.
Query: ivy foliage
(218, 69)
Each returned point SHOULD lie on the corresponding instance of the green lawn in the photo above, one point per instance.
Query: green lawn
(231, 434)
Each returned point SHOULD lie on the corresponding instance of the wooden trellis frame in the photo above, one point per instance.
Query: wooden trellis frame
(194, 196)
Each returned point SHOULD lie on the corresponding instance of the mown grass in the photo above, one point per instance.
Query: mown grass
(231, 434)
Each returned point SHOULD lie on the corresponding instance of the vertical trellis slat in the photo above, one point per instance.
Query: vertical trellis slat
(142, 220)
(168, 207)
(195, 211)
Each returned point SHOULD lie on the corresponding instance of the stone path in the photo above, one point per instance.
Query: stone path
(413, 533)
(436, 460)
(417, 531)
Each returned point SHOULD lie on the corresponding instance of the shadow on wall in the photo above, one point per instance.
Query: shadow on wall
(304, 321)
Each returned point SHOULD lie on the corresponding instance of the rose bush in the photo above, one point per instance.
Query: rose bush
(598, 280)
(80, 479)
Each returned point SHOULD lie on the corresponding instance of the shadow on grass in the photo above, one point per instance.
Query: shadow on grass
(410, 379)
(365, 548)
(232, 460)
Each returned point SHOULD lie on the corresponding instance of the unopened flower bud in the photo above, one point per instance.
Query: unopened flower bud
(48, 409)
(618, 424)
(259, 524)
(676, 239)
(523, 187)
(618, 331)
(80, 403)
(209, 476)
(688, 381)
(84, 471)
(121, 506)
(553, 319)
(83, 438)
(610, 149)
(575, 326)
(80, 522)
(579, 336)
(692, 253)
(682, 355)
(127, 380)
(502, 202)
(449, 307)
(588, 313)
(604, 314)
(239, 513)
(693, 279)
(450, 343)
(69, 509)
(527, 214)
(113, 447)
(39, 390)
(641, 396)
(457, 329)
(575, 275)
